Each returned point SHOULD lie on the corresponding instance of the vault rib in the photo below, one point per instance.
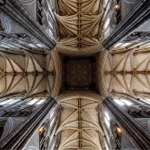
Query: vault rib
(85, 28)
(79, 123)
(79, 22)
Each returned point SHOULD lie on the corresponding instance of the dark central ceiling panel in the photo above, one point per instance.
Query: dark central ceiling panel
(78, 73)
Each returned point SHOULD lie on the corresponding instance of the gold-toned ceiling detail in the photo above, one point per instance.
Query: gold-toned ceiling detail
(128, 73)
(79, 23)
(53, 64)
(79, 123)
(100, 83)
(27, 74)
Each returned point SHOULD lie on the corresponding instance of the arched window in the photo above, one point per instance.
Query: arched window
(122, 101)
(33, 101)
(8, 102)
(40, 102)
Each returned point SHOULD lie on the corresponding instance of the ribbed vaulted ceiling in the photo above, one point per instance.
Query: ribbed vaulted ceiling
(78, 24)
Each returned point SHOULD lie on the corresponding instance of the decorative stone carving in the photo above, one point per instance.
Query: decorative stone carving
(44, 5)
(78, 73)
(139, 111)
(138, 37)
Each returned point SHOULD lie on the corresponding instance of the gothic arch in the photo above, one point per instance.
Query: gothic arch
(7, 125)
(5, 23)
